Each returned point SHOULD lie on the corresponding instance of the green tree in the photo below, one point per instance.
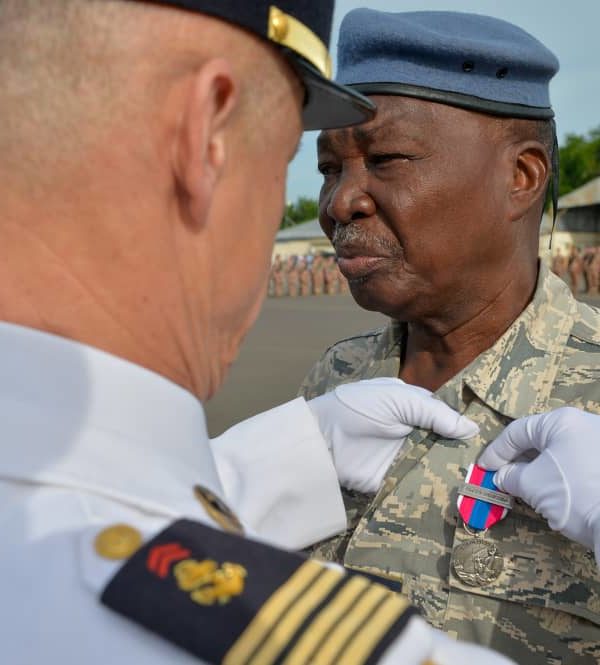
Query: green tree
(303, 210)
(579, 160)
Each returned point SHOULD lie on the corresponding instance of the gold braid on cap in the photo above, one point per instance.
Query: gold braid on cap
(288, 31)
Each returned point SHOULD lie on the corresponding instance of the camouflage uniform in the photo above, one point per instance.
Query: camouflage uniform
(545, 606)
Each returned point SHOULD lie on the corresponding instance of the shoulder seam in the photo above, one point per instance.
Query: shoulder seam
(586, 338)
(370, 333)
(575, 333)
(576, 330)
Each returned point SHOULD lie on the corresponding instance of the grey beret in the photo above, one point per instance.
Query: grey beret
(466, 60)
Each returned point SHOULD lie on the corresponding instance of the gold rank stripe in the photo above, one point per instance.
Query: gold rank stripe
(279, 618)
(373, 630)
(331, 650)
(344, 632)
(289, 625)
(326, 621)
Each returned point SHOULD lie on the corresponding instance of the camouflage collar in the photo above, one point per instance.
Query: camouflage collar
(515, 376)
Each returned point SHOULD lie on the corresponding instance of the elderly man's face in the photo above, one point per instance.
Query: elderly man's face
(414, 203)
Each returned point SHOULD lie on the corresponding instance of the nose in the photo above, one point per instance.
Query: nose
(348, 201)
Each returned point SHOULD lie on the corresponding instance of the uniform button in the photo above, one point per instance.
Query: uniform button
(217, 510)
(118, 542)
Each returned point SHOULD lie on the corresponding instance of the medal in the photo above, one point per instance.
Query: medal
(477, 562)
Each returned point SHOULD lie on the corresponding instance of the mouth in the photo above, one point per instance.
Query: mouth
(358, 267)
(357, 263)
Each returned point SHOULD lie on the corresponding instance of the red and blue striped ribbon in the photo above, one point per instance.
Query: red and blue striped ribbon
(476, 513)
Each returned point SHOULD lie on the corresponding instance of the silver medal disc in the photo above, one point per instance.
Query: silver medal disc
(477, 562)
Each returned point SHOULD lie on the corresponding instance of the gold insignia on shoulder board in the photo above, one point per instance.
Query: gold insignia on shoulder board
(209, 583)
(191, 574)
(217, 510)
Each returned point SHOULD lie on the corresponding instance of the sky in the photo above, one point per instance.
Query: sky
(568, 28)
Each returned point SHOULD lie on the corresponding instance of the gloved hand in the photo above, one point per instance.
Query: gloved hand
(563, 482)
(365, 424)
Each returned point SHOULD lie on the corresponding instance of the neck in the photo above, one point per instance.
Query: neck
(439, 348)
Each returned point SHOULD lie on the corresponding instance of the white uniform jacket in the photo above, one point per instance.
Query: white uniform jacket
(89, 440)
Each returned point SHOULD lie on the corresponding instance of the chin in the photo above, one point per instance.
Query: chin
(371, 296)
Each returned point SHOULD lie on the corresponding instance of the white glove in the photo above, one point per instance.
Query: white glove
(365, 424)
(563, 482)
(420, 643)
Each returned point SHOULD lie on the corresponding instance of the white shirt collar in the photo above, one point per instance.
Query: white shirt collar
(74, 416)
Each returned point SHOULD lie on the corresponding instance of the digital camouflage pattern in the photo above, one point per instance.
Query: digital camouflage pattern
(545, 606)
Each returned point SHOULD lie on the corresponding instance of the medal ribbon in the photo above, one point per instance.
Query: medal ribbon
(477, 513)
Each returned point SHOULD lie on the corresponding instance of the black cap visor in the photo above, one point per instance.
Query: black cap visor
(329, 105)
(469, 102)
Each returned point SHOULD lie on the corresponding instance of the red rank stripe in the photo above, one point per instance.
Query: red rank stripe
(161, 557)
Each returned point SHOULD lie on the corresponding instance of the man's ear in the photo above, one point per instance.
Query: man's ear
(531, 170)
(201, 140)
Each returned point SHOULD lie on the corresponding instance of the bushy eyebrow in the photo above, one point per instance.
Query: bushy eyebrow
(323, 142)
(387, 130)
(364, 136)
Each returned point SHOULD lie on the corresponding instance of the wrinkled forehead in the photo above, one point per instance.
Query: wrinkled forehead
(410, 119)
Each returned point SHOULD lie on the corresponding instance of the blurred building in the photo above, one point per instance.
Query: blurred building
(577, 221)
(302, 239)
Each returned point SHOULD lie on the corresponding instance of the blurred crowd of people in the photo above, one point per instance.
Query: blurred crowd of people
(580, 269)
(309, 275)
(318, 274)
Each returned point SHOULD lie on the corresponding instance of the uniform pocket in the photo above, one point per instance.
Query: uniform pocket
(540, 567)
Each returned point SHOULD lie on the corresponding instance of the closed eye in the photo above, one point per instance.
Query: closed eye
(327, 168)
(384, 158)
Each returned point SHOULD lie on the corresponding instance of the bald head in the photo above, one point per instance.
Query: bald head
(70, 68)
(61, 62)
(133, 159)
